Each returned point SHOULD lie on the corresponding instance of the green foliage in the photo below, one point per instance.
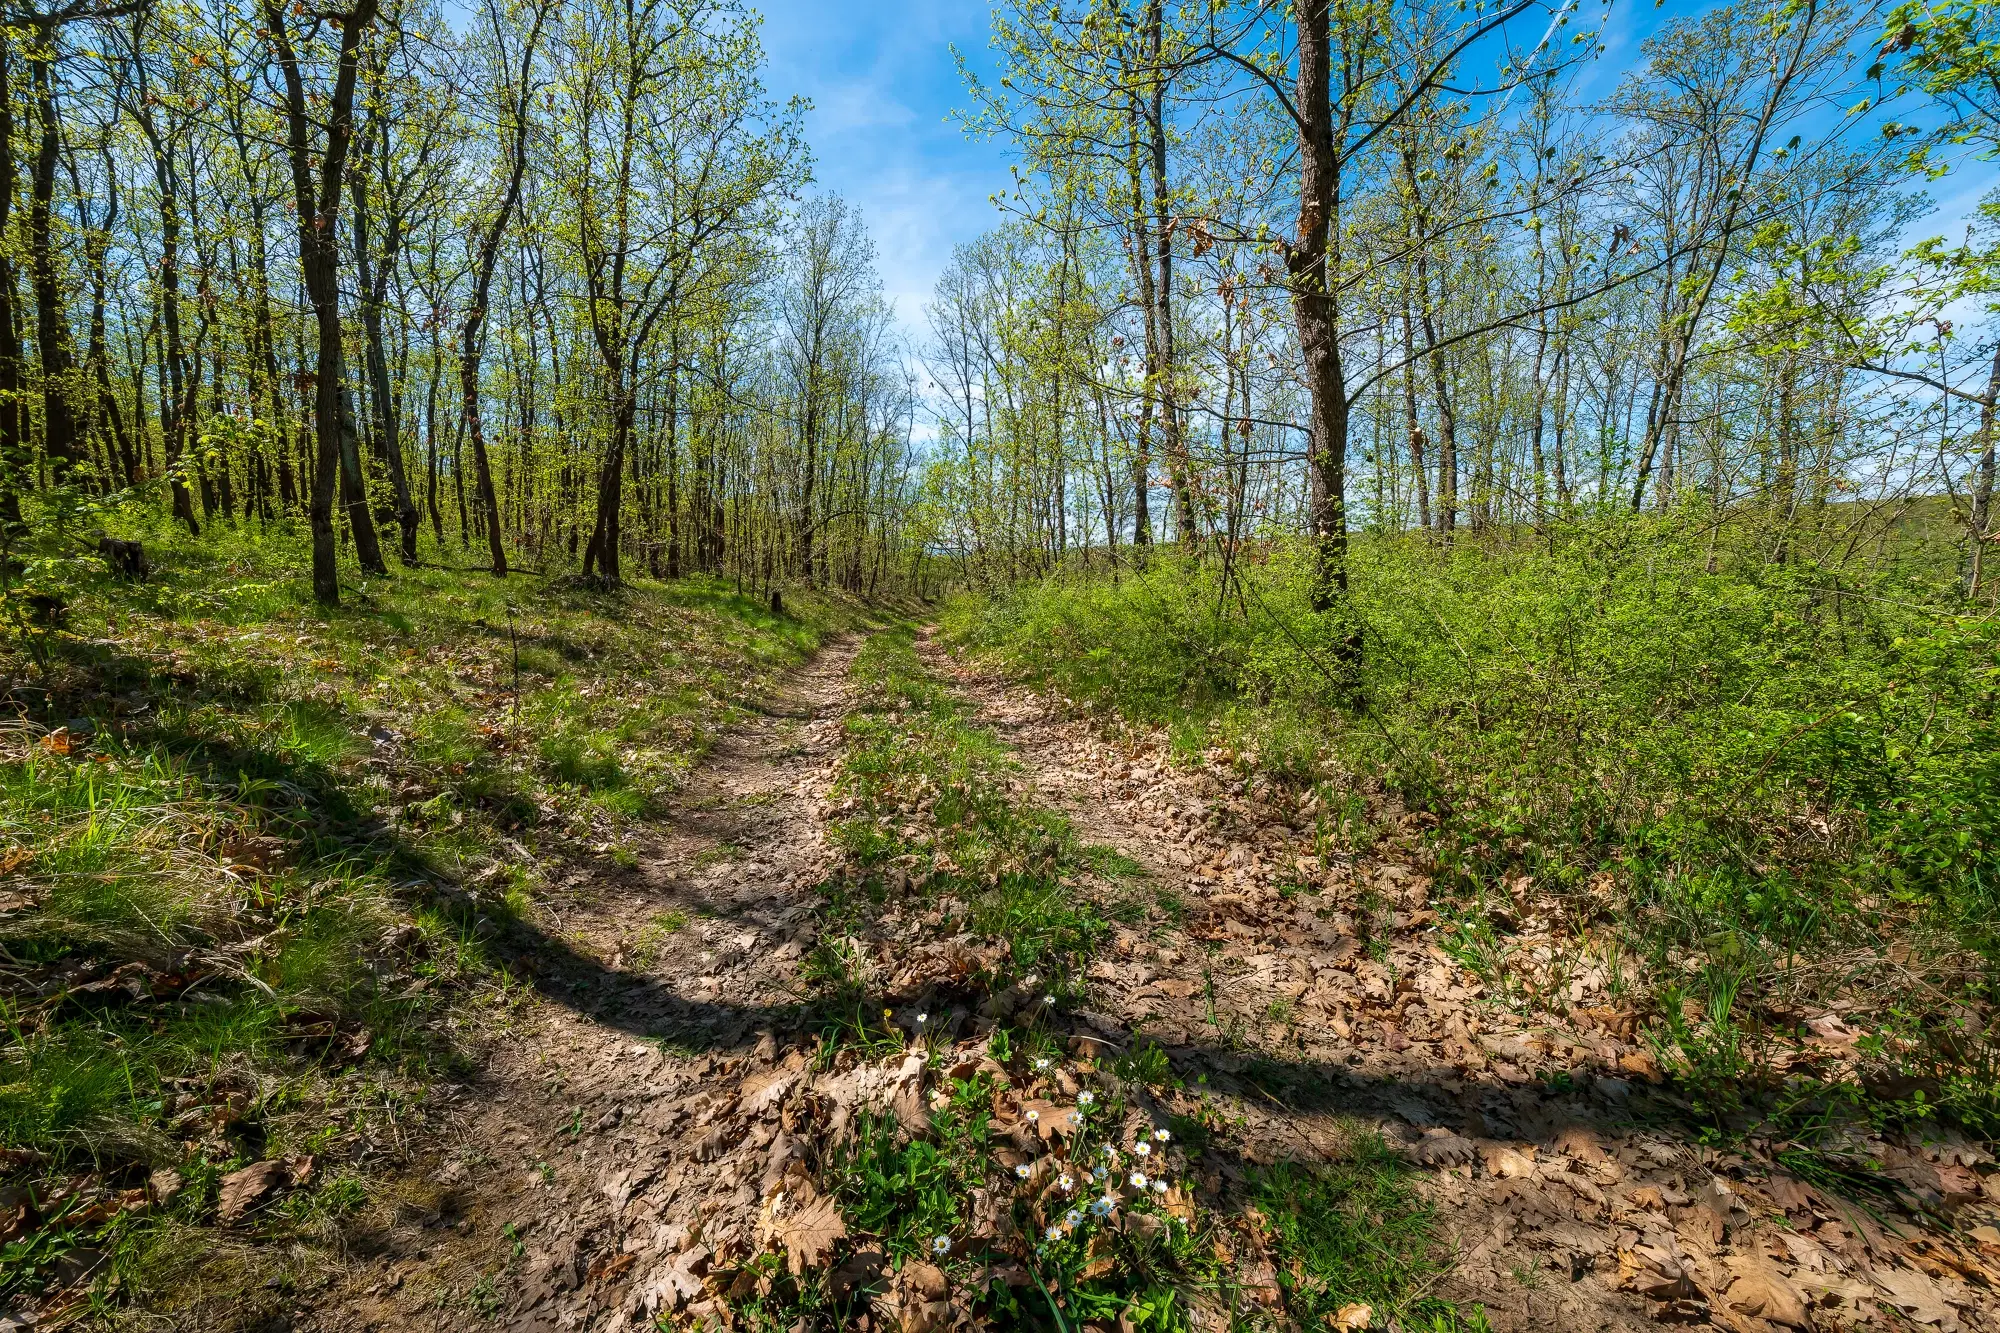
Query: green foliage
(1354, 1231)
(1011, 863)
(1784, 755)
(255, 857)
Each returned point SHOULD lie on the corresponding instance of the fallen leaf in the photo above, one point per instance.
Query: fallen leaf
(1581, 1143)
(1050, 1120)
(1352, 1316)
(809, 1234)
(1913, 1294)
(1508, 1164)
(1443, 1149)
(1762, 1292)
(243, 1190)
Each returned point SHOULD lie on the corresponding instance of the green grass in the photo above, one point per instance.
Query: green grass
(1354, 1231)
(258, 859)
(1741, 764)
(936, 817)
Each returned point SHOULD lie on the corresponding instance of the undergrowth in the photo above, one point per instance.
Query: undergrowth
(259, 863)
(929, 813)
(1771, 787)
(1050, 1185)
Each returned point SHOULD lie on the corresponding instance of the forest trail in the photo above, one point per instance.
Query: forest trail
(599, 1131)
(1309, 989)
(624, 1160)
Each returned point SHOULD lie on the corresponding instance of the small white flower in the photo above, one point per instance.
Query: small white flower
(923, 1019)
(1066, 1184)
(1076, 1117)
(1162, 1135)
(1086, 1097)
(1138, 1180)
(1159, 1187)
(941, 1245)
(1049, 1000)
(1033, 1116)
(1072, 1217)
(1099, 1174)
(1055, 1233)
(1022, 1170)
(1143, 1148)
(1041, 1062)
(1103, 1206)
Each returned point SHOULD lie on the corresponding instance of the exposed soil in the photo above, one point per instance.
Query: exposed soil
(600, 1137)
(619, 1156)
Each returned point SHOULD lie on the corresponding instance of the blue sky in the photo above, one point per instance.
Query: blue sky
(882, 81)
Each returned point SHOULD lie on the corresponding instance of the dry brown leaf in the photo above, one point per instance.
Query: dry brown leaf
(1582, 1143)
(809, 1234)
(1762, 1292)
(1049, 1119)
(1444, 1149)
(1353, 1315)
(1508, 1164)
(1913, 1294)
(243, 1190)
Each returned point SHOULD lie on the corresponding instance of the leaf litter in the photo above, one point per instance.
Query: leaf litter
(656, 1145)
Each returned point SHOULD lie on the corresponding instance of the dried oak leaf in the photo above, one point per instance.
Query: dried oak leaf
(1508, 1164)
(809, 1234)
(243, 1190)
(1762, 1292)
(1049, 1119)
(1582, 1143)
(1914, 1294)
(1443, 1148)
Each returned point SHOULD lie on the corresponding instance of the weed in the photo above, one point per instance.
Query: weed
(1353, 1231)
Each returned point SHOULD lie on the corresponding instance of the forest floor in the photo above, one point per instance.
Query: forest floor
(683, 1127)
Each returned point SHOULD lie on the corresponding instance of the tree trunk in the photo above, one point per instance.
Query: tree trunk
(1982, 486)
(318, 204)
(60, 435)
(1312, 261)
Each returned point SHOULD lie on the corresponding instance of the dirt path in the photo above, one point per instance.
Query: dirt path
(620, 1160)
(1308, 985)
(601, 1137)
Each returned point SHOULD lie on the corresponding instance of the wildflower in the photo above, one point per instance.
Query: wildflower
(1072, 1217)
(1076, 1117)
(1049, 1000)
(1159, 1187)
(1055, 1233)
(1022, 1170)
(923, 1019)
(1041, 1063)
(941, 1245)
(1033, 1116)
(1086, 1097)
(1142, 1148)
(1099, 1174)
(1066, 1184)
(1138, 1180)
(1161, 1135)
(1102, 1207)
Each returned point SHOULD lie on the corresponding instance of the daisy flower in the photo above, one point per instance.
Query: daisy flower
(941, 1245)
(1138, 1180)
